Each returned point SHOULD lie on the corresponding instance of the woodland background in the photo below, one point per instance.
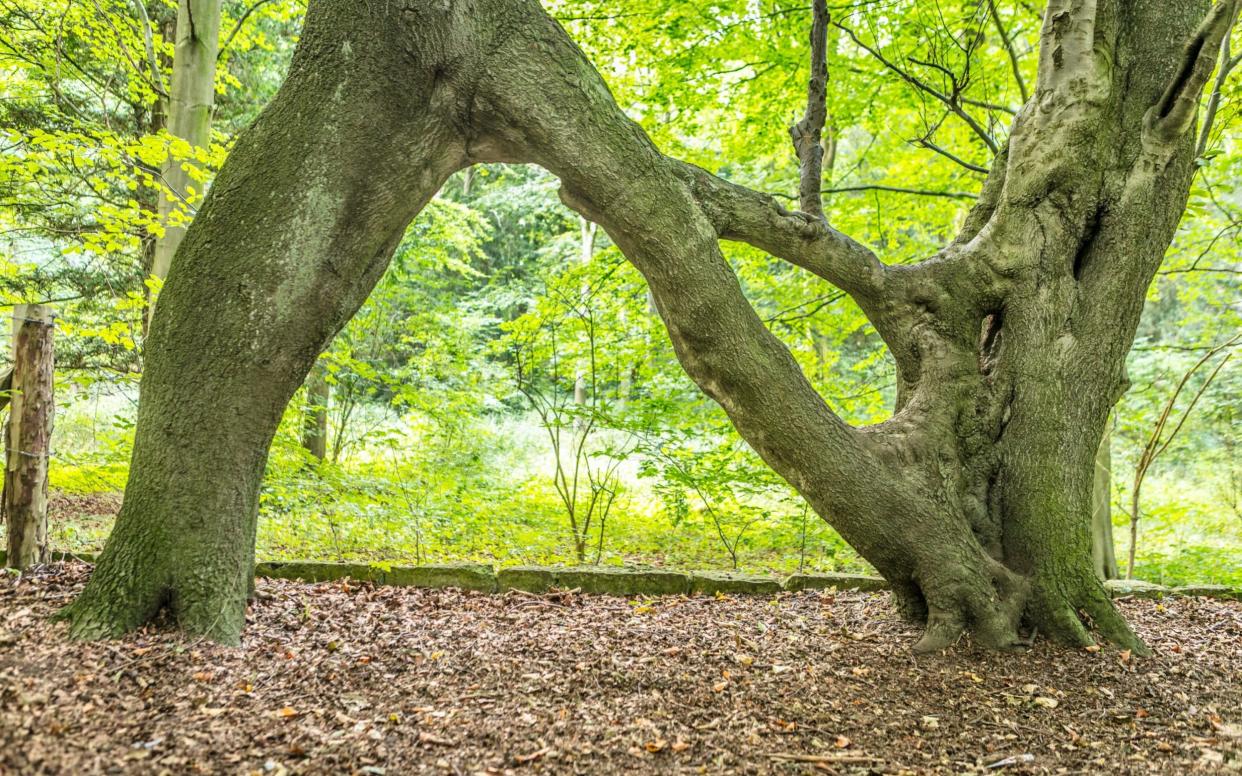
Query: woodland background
(507, 393)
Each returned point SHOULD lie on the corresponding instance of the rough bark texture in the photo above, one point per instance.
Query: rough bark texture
(192, 99)
(28, 435)
(974, 500)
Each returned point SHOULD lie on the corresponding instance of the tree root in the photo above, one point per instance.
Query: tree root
(990, 612)
(1064, 609)
(110, 613)
(124, 594)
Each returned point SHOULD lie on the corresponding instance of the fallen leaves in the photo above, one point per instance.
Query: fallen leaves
(383, 680)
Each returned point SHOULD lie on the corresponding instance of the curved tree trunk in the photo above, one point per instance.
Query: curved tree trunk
(974, 500)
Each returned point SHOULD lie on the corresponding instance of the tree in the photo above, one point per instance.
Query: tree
(973, 500)
(191, 100)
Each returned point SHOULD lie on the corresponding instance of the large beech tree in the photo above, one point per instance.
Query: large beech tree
(974, 500)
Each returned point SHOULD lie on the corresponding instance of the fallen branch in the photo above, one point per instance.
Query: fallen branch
(824, 758)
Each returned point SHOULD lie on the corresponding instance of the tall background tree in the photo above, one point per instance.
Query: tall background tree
(190, 105)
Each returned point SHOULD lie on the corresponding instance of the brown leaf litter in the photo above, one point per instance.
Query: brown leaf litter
(339, 678)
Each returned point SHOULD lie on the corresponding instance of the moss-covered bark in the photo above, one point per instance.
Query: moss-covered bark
(974, 500)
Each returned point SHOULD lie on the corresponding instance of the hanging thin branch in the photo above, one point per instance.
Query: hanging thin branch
(952, 101)
(1015, 63)
(148, 39)
(926, 142)
(237, 27)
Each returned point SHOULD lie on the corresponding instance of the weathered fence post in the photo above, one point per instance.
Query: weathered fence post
(28, 435)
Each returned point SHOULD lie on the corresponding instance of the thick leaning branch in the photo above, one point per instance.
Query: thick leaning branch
(1224, 67)
(547, 105)
(744, 215)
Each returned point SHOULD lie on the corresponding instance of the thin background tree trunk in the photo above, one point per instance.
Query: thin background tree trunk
(190, 105)
(315, 417)
(1103, 553)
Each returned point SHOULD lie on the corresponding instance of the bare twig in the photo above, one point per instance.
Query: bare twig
(952, 101)
(1015, 63)
(1157, 443)
(237, 27)
(148, 40)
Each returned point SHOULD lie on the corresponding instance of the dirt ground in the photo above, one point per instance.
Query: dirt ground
(337, 679)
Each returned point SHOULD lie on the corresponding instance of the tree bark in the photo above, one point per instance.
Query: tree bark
(28, 435)
(974, 500)
(190, 105)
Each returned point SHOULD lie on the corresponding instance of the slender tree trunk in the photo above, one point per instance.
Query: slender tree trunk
(190, 105)
(974, 500)
(1103, 552)
(315, 416)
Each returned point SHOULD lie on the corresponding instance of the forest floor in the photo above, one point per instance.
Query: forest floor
(338, 678)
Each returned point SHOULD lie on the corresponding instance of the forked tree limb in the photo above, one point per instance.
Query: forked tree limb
(744, 215)
(1174, 115)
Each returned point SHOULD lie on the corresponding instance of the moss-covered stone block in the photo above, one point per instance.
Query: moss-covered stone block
(312, 571)
(531, 579)
(1135, 588)
(466, 576)
(1210, 591)
(860, 582)
(595, 580)
(605, 580)
(729, 582)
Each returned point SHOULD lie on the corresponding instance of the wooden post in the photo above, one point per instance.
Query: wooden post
(28, 436)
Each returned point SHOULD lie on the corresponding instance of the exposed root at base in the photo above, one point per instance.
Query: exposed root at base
(92, 619)
(1066, 617)
(991, 612)
(109, 611)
